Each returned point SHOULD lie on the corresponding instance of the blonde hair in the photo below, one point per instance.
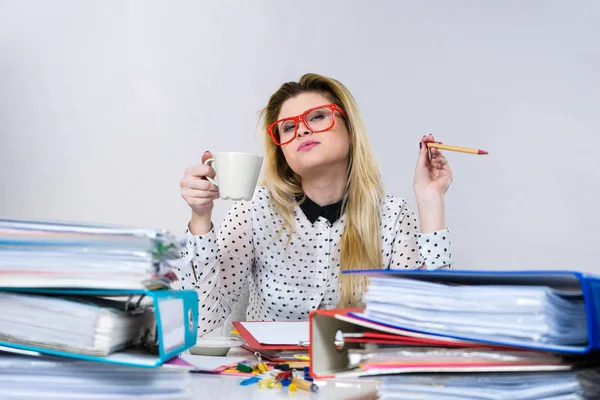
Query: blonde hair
(360, 245)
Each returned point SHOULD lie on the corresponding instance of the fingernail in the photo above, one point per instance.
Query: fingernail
(206, 152)
(420, 144)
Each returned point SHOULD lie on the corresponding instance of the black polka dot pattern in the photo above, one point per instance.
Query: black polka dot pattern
(287, 281)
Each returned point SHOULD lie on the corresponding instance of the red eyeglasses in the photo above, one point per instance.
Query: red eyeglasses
(317, 119)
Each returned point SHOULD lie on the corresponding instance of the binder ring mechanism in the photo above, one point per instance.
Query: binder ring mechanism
(190, 321)
(338, 340)
(147, 337)
(134, 308)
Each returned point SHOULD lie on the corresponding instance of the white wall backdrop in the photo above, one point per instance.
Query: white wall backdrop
(103, 104)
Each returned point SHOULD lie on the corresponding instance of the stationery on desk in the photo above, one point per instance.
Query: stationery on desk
(462, 321)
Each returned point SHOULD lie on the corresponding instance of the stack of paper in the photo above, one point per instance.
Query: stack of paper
(98, 297)
(381, 357)
(53, 254)
(566, 385)
(28, 377)
(464, 322)
(91, 291)
(510, 313)
(79, 324)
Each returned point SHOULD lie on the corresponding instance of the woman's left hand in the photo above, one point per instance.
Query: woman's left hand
(433, 175)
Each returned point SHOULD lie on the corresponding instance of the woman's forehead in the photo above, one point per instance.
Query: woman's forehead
(298, 104)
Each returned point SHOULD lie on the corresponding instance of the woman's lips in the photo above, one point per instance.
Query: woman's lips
(307, 145)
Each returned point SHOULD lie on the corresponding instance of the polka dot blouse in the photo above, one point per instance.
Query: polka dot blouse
(286, 283)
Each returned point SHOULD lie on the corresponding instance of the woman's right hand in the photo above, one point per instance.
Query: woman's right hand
(200, 195)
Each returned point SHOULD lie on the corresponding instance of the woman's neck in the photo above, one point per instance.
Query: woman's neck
(325, 189)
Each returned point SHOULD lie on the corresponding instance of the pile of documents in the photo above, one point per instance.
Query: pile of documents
(567, 385)
(34, 254)
(83, 324)
(33, 377)
(510, 313)
(84, 307)
(464, 334)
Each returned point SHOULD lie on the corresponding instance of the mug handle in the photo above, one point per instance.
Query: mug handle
(209, 162)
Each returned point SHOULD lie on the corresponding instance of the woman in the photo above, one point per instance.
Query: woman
(322, 211)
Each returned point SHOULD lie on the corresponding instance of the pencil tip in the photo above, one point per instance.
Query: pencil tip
(482, 152)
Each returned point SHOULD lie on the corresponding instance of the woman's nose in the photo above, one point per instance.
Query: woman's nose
(302, 129)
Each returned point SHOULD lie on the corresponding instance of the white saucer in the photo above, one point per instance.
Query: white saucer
(214, 346)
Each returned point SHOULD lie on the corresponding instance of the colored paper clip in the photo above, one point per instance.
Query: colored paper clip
(250, 381)
(244, 368)
(266, 382)
(305, 385)
(261, 366)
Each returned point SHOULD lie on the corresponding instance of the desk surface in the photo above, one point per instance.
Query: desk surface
(218, 387)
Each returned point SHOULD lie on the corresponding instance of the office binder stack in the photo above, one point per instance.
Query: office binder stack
(76, 298)
(52, 254)
(468, 334)
(566, 385)
(30, 377)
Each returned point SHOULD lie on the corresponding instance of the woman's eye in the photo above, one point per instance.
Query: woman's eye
(316, 117)
(288, 128)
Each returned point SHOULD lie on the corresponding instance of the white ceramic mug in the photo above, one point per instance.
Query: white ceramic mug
(237, 174)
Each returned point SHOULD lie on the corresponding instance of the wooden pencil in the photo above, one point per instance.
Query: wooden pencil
(468, 150)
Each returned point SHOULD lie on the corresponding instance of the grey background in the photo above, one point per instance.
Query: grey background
(103, 104)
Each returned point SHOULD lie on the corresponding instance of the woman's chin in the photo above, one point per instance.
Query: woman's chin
(311, 163)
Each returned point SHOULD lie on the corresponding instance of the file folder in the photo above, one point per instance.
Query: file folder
(175, 326)
(330, 360)
(284, 330)
(588, 285)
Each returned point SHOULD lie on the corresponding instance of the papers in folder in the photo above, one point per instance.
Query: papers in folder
(275, 340)
(33, 377)
(52, 254)
(277, 333)
(76, 324)
(564, 385)
(493, 313)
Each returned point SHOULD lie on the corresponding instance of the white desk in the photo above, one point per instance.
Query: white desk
(222, 387)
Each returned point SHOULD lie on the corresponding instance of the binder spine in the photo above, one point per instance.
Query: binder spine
(591, 295)
(176, 320)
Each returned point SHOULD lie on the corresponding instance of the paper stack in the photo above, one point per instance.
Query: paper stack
(460, 331)
(29, 377)
(54, 254)
(91, 293)
(516, 314)
(568, 385)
